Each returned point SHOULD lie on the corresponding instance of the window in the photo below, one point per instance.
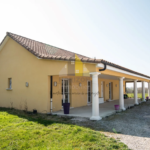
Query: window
(9, 83)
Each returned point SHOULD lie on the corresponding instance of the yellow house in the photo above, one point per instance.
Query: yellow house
(34, 75)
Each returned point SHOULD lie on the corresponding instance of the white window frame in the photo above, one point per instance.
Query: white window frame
(63, 91)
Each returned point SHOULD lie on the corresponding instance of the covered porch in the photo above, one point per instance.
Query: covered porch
(94, 96)
(105, 109)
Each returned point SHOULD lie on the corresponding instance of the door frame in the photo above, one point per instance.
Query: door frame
(63, 90)
(90, 91)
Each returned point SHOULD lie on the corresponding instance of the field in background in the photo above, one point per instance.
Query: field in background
(139, 95)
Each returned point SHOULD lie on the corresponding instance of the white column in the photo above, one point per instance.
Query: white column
(121, 96)
(95, 99)
(148, 88)
(135, 93)
(143, 90)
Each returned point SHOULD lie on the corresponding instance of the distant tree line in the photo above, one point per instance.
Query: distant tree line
(131, 90)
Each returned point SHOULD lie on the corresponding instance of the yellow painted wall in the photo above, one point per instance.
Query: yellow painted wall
(124, 87)
(115, 88)
(77, 96)
(22, 66)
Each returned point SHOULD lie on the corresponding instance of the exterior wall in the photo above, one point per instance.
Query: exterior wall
(124, 87)
(22, 66)
(115, 88)
(78, 95)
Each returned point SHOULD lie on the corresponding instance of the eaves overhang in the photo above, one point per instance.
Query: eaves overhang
(130, 72)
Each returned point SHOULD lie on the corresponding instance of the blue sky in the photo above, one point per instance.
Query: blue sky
(114, 30)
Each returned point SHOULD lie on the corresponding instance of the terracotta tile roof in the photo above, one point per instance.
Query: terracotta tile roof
(46, 51)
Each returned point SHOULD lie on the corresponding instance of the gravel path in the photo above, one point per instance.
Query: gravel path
(133, 142)
(132, 127)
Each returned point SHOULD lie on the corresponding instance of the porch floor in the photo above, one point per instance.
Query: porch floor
(106, 109)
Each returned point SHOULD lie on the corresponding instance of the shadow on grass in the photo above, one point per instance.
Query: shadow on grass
(43, 119)
(58, 135)
(134, 121)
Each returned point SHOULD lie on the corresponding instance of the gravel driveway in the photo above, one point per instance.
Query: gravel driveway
(132, 126)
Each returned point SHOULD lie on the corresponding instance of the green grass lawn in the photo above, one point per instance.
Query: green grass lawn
(21, 131)
(139, 95)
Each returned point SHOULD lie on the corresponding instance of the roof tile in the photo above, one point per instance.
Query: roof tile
(46, 51)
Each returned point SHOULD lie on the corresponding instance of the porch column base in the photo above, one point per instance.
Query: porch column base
(136, 103)
(95, 118)
(123, 109)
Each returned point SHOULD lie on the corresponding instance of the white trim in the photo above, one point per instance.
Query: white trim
(4, 42)
(95, 118)
(135, 93)
(121, 97)
(95, 73)
(63, 90)
(121, 71)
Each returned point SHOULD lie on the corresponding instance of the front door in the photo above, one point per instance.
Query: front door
(89, 91)
(65, 91)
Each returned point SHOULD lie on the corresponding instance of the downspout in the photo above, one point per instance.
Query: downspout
(103, 68)
(51, 95)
